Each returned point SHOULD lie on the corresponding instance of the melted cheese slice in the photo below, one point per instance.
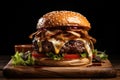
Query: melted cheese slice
(57, 44)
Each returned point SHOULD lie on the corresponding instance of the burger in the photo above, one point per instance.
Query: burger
(62, 39)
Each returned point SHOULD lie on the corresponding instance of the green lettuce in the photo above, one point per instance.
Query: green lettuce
(18, 59)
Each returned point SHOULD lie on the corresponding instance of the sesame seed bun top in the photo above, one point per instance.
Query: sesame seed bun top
(62, 19)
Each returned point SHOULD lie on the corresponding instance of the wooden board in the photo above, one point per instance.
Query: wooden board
(104, 71)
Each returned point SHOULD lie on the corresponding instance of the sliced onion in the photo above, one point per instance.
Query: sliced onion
(31, 35)
(49, 33)
(74, 33)
(91, 45)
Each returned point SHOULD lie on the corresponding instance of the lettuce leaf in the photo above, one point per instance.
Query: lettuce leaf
(102, 55)
(83, 55)
(17, 59)
(54, 56)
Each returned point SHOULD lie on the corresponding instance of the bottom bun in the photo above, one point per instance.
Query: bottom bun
(62, 63)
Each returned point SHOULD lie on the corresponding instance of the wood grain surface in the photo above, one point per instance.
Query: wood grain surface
(104, 71)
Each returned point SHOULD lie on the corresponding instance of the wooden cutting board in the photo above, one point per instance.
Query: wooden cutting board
(104, 71)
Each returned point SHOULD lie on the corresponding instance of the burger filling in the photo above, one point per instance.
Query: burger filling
(62, 42)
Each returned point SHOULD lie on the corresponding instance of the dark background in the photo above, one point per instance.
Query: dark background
(19, 19)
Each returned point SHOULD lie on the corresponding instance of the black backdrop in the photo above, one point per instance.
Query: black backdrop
(19, 19)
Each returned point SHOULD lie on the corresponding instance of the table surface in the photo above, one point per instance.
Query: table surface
(4, 59)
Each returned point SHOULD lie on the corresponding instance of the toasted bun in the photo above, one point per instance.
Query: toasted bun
(62, 63)
(63, 19)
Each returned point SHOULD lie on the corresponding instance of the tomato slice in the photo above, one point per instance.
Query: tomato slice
(71, 56)
(38, 55)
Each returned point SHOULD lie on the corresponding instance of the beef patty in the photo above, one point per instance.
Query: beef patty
(72, 46)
